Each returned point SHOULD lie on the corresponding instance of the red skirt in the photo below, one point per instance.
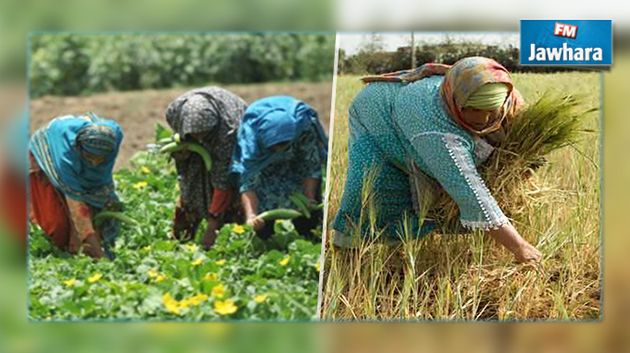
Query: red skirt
(48, 207)
(13, 203)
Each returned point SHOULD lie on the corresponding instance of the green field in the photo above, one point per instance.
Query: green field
(154, 277)
(468, 277)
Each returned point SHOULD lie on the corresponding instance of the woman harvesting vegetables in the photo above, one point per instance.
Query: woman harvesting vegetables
(210, 117)
(280, 151)
(442, 121)
(71, 163)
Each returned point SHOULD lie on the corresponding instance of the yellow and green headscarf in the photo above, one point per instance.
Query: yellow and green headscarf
(488, 97)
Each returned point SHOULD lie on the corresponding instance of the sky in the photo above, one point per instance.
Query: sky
(351, 42)
(459, 15)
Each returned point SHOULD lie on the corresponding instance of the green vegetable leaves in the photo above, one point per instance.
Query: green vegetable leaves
(155, 277)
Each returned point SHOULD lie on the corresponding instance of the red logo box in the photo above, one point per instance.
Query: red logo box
(565, 30)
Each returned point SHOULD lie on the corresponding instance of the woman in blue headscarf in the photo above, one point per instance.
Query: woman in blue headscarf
(281, 149)
(71, 164)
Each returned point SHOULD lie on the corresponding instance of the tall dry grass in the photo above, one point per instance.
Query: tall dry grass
(468, 277)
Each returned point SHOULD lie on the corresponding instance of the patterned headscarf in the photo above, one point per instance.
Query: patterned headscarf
(99, 140)
(461, 80)
(198, 113)
(407, 76)
(469, 74)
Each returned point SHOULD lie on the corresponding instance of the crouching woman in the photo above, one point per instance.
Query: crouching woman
(70, 174)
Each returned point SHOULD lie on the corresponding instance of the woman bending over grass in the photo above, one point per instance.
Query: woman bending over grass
(442, 122)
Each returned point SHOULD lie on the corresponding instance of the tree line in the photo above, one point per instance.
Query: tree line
(72, 64)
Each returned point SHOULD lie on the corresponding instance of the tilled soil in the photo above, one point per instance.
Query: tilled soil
(138, 111)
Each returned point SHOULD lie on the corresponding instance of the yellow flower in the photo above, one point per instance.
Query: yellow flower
(260, 298)
(238, 229)
(318, 266)
(210, 276)
(155, 275)
(197, 262)
(225, 307)
(171, 305)
(220, 262)
(191, 247)
(70, 283)
(145, 170)
(140, 185)
(95, 278)
(194, 300)
(285, 260)
(218, 291)
(200, 298)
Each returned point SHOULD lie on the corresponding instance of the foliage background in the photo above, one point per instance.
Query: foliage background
(373, 58)
(71, 64)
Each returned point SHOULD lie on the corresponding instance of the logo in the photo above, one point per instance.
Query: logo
(565, 30)
(566, 42)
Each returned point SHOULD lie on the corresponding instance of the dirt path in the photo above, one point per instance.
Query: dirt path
(138, 111)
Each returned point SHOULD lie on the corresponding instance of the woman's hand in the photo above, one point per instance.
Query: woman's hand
(210, 236)
(115, 206)
(528, 254)
(92, 246)
(310, 187)
(256, 222)
(523, 251)
(249, 200)
(181, 155)
(74, 245)
(83, 236)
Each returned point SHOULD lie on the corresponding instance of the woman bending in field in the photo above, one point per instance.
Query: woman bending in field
(441, 120)
(71, 163)
(281, 150)
(209, 116)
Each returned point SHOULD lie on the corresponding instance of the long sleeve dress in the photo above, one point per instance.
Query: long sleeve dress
(216, 112)
(394, 124)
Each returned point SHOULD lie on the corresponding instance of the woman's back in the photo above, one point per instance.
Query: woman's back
(419, 109)
(421, 120)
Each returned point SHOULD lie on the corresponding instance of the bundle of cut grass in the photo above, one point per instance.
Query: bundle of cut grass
(551, 123)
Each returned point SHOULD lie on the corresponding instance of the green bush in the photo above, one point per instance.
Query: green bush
(82, 64)
(61, 67)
